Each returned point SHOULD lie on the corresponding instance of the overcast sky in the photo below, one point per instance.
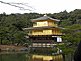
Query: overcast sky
(42, 6)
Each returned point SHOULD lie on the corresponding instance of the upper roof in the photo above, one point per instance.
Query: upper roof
(45, 17)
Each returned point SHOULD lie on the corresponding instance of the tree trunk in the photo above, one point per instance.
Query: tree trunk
(1, 41)
(63, 56)
(77, 54)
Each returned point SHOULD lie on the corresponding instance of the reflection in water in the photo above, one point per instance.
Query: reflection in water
(47, 58)
(27, 57)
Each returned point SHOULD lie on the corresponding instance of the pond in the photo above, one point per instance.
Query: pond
(23, 56)
(14, 56)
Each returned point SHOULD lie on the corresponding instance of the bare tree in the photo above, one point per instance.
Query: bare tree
(18, 5)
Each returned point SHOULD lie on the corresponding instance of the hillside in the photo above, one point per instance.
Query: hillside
(11, 25)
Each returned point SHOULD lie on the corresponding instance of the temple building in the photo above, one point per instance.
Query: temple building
(45, 32)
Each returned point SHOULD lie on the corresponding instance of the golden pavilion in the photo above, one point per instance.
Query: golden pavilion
(45, 32)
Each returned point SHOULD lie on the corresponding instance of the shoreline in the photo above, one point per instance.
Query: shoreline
(12, 48)
(13, 52)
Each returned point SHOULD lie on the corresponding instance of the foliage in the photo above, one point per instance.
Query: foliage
(11, 27)
(71, 38)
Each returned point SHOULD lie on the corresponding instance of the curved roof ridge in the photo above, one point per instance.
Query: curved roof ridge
(45, 17)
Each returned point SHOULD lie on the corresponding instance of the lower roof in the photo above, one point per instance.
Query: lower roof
(39, 28)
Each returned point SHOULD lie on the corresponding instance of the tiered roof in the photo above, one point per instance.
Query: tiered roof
(45, 17)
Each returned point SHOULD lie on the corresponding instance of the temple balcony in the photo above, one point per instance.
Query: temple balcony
(45, 34)
(46, 44)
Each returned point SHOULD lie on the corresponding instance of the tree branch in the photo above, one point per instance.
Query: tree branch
(16, 5)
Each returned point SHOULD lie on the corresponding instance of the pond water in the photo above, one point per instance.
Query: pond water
(28, 57)
(14, 57)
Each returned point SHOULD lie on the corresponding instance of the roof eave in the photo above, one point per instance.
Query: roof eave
(34, 20)
(39, 28)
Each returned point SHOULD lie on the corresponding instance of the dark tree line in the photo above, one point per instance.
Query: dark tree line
(11, 25)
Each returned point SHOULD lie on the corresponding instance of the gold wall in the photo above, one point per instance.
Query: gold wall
(46, 32)
(40, 24)
(44, 23)
(51, 23)
(56, 31)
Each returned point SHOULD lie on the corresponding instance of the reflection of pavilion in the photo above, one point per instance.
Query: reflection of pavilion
(47, 58)
(45, 32)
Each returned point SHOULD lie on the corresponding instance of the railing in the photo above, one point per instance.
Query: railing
(45, 34)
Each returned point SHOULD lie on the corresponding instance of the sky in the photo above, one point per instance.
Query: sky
(41, 6)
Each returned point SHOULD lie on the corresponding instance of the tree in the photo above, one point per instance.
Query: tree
(17, 5)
